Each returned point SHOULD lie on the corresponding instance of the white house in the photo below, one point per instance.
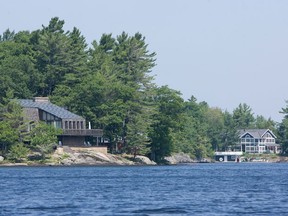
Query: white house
(257, 141)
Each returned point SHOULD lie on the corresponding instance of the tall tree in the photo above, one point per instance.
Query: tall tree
(229, 134)
(133, 63)
(7, 35)
(17, 68)
(11, 124)
(243, 116)
(196, 136)
(55, 54)
(169, 110)
(282, 130)
(262, 123)
(215, 126)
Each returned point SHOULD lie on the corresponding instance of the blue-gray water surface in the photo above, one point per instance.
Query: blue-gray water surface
(198, 189)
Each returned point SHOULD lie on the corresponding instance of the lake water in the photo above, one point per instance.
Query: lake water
(197, 189)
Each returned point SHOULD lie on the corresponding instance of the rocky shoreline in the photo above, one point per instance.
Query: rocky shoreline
(68, 157)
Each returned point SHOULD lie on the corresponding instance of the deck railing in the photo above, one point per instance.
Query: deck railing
(83, 132)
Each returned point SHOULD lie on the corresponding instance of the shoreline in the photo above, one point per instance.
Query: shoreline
(87, 157)
(2, 165)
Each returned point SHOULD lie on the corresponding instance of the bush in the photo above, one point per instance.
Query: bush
(44, 139)
(18, 153)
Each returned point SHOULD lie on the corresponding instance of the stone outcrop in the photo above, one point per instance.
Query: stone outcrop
(67, 157)
(142, 160)
(179, 158)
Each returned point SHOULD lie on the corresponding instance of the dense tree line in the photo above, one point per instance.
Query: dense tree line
(109, 83)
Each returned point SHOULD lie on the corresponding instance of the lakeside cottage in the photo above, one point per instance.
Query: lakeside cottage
(75, 133)
(257, 141)
(251, 141)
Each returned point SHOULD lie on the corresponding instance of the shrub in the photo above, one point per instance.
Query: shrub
(18, 153)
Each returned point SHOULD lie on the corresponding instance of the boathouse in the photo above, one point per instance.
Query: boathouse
(231, 156)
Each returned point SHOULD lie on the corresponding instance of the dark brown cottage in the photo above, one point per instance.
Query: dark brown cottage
(75, 133)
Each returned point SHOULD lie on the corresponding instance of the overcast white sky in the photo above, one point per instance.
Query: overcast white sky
(223, 52)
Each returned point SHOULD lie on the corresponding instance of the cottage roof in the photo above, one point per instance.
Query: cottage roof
(255, 133)
(49, 108)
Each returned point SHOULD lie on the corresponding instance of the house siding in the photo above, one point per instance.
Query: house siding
(73, 141)
(74, 128)
(32, 114)
(257, 141)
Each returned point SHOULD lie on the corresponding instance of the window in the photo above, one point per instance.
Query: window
(268, 135)
(58, 124)
(44, 116)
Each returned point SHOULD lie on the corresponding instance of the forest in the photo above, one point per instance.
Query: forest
(110, 84)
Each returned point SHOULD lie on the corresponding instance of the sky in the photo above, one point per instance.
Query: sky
(220, 51)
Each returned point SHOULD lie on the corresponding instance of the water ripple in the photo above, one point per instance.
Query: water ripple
(202, 189)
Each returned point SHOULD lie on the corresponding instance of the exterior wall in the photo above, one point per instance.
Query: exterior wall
(75, 132)
(253, 145)
(73, 141)
(32, 114)
(228, 156)
(72, 124)
(250, 144)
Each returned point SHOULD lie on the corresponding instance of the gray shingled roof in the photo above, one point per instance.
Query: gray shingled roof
(50, 108)
(256, 133)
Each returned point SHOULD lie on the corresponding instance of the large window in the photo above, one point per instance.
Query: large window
(50, 119)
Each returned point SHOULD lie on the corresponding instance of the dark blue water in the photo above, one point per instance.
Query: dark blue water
(200, 189)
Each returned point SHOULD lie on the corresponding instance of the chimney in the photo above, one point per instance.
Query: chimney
(41, 99)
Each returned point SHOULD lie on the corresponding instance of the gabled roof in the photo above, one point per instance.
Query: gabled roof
(49, 108)
(255, 133)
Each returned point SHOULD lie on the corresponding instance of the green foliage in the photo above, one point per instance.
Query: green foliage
(243, 116)
(111, 86)
(262, 123)
(229, 134)
(282, 130)
(11, 125)
(7, 36)
(18, 153)
(43, 138)
(169, 109)
(8, 136)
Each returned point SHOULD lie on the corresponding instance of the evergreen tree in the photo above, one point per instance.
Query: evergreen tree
(282, 130)
(243, 116)
(12, 126)
(230, 135)
(56, 55)
(167, 119)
